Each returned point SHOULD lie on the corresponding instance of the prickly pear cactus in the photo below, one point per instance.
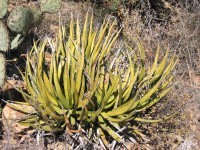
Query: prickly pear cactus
(16, 41)
(20, 20)
(4, 38)
(3, 8)
(37, 13)
(2, 69)
(50, 6)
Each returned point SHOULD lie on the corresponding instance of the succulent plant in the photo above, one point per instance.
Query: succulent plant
(50, 6)
(16, 41)
(3, 8)
(38, 14)
(2, 69)
(20, 20)
(4, 38)
(77, 89)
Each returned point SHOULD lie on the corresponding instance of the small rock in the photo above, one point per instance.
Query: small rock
(10, 118)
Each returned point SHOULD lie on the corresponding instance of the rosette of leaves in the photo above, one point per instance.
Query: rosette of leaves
(73, 87)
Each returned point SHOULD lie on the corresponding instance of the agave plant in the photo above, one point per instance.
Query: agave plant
(73, 85)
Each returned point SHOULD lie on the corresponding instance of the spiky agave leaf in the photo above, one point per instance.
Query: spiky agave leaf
(78, 87)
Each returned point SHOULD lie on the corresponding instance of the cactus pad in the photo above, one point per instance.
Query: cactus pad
(37, 15)
(20, 20)
(16, 41)
(50, 6)
(4, 38)
(2, 69)
(3, 7)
